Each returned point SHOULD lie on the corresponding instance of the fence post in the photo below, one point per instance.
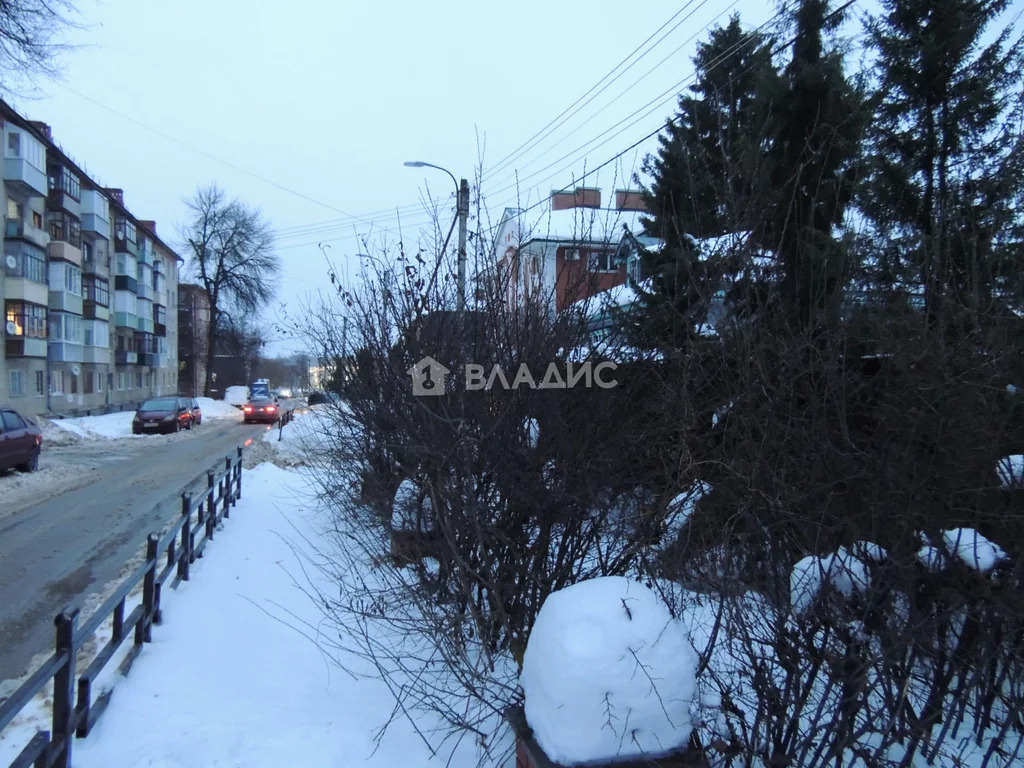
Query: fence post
(228, 490)
(238, 470)
(185, 556)
(64, 689)
(211, 503)
(143, 634)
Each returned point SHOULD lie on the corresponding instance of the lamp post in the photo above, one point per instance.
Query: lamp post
(462, 196)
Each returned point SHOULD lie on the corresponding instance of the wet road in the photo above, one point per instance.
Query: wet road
(56, 549)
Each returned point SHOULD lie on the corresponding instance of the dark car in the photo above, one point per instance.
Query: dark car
(162, 414)
(197, 412)
(316, 398)
(261, 409)
(20, 441)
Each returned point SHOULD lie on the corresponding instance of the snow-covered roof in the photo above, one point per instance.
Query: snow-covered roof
(582, 225)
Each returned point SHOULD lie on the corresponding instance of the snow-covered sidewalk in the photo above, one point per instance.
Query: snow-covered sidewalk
(233, 676)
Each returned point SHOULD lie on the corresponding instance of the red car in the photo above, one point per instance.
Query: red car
(261, 409)
(20, 441)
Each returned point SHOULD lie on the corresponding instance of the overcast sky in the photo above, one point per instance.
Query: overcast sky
(308, 109)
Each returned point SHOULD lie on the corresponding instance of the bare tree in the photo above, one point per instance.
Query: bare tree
(232, 254)
(29, 44)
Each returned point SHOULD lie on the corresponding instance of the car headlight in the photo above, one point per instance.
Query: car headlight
(169, 418)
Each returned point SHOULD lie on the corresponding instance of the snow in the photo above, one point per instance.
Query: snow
(608, 674)
(973, 549)
(1011, 471)
(113, 426)
(532, 427)
(681, 508)
(933, 558)
(218, 409)
(235, 677)
(841, 571)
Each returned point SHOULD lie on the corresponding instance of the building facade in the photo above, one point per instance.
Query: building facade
(84, 283)
(193, 338)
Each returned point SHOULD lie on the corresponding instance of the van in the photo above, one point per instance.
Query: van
(236, 396)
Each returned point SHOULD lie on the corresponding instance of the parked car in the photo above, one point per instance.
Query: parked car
(261, 409)
(163, 414)
(20, 441)
(197, 412)
(316, 398)
(237, 396)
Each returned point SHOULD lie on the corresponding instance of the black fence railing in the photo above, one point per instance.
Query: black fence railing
(168, 557)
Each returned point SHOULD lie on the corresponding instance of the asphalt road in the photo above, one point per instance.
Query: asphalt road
(55, 552)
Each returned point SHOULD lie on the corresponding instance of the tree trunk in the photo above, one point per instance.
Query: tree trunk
(211, 335)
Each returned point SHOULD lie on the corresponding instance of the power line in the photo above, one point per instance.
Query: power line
(208, 155)
(516, 153)
(777, 16)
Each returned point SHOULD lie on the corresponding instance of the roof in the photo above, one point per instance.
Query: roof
(87, 181)
(580, 225)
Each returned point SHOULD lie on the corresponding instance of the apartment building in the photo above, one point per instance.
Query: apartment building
(85, 286)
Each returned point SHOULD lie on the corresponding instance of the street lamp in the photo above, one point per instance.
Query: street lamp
(462, 197)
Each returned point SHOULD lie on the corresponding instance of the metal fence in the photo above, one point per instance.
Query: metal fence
(167, 556)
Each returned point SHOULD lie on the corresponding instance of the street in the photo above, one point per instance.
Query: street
(57, 548)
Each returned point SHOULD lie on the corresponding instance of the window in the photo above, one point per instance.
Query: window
(65, 327)
(72, 280)
(138, 380)
(65, 228)
(31, 262)
(74, 384)
(96, 289)
(29, 319)
(56, 382)
(26, 147)
(13, 144)
(121, 381)
(96, 333)
(125, 230)
(159, 314)
(603, 262)
(87, 252)
(17, 383)
(37, 219)
(11, 420)
(87, 384)
(40, 384)
(99, 381)
(15, 210)
(66, 181)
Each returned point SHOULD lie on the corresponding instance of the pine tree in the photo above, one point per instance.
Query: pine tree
(947, 167)
(708, 179)
(818, 123)
(707, 173)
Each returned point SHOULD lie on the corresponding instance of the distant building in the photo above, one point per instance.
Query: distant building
(193, 338)
(85, 286)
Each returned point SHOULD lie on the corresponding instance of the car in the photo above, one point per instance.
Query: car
(163, 414)
(197, 412)
(261, 409)
(317, 398)
(21, 441)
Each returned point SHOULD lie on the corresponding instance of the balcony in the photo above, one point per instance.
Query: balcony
(94, 311)
(144, 290)
(59, 200)
(148, 359)
(96, 224)
(65, 352)
(20, 289)
(124, 245)
(145, 255)
(96, 355)
(25, 347)
(60, 250)
(145, 324)
(125, 283)
(160, 297)
(16, 229)
(123, 357)
(24, 179)
(126, 320)
(159, 329)
(65, 301)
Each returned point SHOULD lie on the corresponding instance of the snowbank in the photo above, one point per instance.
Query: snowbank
(841, 571)
(973, 549)
(218, 409)
(234, 675)
(608, 674)
(109, 426)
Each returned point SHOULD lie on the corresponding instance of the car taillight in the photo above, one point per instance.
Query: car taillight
(39, 439)
(271, 408)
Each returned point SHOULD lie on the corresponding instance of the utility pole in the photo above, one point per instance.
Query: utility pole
(463, 223)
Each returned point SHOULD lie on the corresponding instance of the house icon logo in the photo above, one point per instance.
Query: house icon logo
(428, 377)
